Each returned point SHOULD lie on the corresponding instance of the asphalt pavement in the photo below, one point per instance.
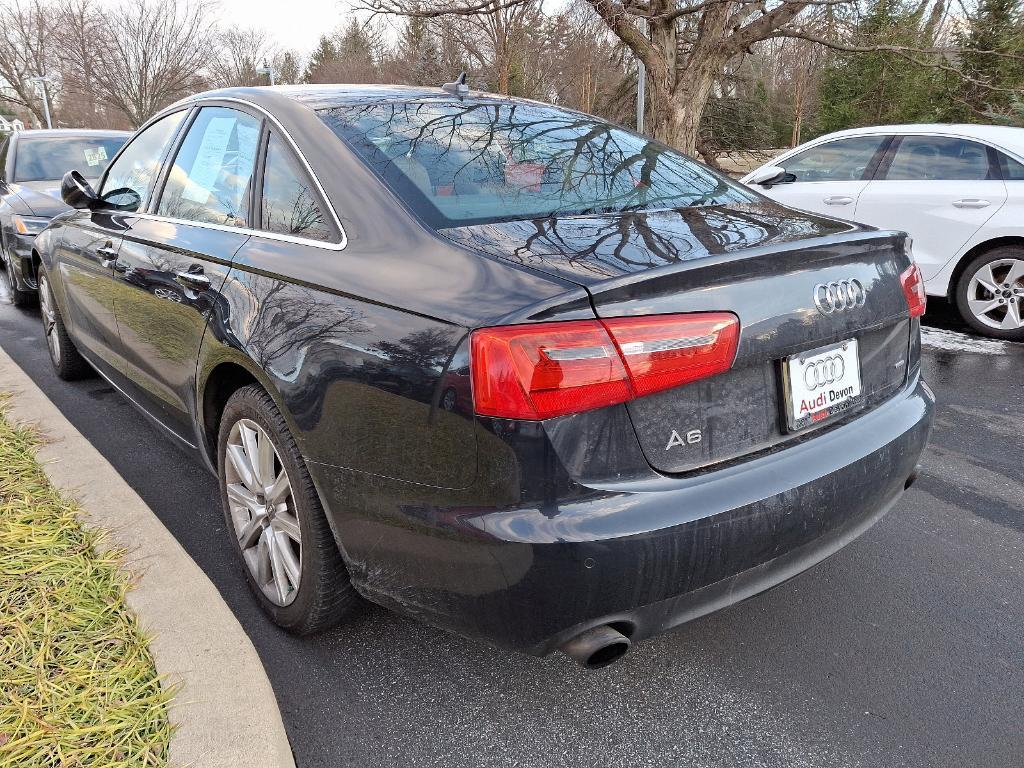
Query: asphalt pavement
(904, 649)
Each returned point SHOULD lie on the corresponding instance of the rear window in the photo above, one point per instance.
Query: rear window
(474, 163)
(49, 159)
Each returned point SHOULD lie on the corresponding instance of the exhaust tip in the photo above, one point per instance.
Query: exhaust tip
(597, 647)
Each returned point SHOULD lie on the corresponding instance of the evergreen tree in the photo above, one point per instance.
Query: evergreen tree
(997, 27)
(323, 59)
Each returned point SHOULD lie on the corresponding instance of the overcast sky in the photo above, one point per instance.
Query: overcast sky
(291, 24)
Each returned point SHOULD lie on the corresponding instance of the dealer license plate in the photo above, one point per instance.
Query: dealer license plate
(821, 383)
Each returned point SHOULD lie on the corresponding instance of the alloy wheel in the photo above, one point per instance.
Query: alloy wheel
(49, 316)
(995, 294)
(263, 511)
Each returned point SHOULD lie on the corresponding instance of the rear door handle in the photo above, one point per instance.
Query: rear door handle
(195, 280)
(971, 202)
(107, 254)
(838, 200)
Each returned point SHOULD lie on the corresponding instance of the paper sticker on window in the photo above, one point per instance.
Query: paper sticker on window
(92, 157)
(101, 153)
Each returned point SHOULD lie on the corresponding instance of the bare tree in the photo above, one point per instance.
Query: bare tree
(242, 52)
(29, 34)
(150, 54)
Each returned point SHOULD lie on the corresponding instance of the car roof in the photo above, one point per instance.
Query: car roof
(69, 133)
(325, 96)
(997, 134)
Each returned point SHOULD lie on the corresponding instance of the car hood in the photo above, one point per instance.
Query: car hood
(588, 249)
(42, 197)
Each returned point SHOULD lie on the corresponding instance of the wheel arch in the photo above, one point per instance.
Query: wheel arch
(972, 254)
(222, 379)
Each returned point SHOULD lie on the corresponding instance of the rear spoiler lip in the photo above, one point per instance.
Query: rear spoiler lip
(815, 247)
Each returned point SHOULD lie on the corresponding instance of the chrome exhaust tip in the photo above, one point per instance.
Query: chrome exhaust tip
(597, 647)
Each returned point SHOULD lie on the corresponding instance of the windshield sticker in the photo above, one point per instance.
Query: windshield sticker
(92, 157)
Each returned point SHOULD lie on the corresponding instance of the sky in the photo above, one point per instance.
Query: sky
(292, 24)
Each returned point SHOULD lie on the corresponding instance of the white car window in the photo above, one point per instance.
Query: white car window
(933, 158)
(1012, 170)
(840, 160)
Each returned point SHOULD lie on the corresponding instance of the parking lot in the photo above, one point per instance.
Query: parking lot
(903, 649)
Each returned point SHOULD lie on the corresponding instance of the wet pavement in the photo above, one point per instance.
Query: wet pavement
(904, 649)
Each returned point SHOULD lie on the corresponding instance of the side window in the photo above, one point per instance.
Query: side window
(136, 168)
(933, 158)
(209, 181)
(1012, 170)
(5, 142)
(289, 205)
(840, 160)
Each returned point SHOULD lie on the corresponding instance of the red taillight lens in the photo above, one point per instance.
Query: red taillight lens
(665, 351)
(913, 287)
(551, 369)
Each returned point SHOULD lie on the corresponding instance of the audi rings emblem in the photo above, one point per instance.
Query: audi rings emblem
(823, 372)
(839, 296)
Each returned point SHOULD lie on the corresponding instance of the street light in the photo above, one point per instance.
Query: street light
(42, 80)
(267, 70)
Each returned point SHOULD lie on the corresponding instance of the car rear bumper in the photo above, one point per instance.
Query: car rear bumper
(643, 555)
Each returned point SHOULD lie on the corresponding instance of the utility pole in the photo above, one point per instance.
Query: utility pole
(267, 70)
(42, 80)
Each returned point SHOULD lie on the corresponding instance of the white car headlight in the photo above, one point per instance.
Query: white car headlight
(29, 225)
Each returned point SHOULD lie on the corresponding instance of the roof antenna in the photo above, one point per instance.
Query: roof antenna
(458, 88)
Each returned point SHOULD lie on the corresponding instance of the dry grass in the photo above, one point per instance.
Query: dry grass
(78, 686)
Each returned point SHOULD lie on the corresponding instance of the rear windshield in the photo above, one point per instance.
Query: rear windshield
(474, 163)
(50, 158)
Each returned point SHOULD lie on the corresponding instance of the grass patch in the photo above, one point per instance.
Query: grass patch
(78, 686)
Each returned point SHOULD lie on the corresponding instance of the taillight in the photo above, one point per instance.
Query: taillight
(551, 369)
(913, 288)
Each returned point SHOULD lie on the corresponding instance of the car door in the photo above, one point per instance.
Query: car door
(940, 189)
(90, 240)
(173, 261)
(829, 178)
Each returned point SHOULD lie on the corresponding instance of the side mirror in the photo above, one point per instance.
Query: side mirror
(77, 192)
(770, 174)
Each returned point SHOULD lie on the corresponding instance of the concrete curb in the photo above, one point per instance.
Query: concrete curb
(225, 710)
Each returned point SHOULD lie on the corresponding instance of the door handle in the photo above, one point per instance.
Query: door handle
(195, 280)
(107, 254)
(971, 202)
(838, 200)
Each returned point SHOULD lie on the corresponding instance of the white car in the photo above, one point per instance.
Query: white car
(958, 190)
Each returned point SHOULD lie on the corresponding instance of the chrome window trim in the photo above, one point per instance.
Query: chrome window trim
(212, 101)
(327, 245)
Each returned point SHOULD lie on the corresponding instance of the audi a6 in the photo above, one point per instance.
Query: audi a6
(502, 367)
(31, 166)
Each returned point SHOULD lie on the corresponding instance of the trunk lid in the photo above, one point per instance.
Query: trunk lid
(761, 262)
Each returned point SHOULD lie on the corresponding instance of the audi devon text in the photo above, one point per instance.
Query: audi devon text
(502, 367)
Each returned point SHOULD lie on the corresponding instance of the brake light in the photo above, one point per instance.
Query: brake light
(913, 288)
(551, 369)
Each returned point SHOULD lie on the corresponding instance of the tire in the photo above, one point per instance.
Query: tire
(67, 361)
(19, 298)
(324, 594)
(1003, 269)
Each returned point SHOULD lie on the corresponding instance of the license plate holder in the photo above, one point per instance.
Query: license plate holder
(821, 383)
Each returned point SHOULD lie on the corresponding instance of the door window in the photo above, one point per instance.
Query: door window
(934, 158)
(130, 177)
(840, 160)
(209, 181)
(1012, 170)
(4, 143)
(289, 205)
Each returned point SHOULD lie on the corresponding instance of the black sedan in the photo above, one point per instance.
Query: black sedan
(682, 393)
(32, 164)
